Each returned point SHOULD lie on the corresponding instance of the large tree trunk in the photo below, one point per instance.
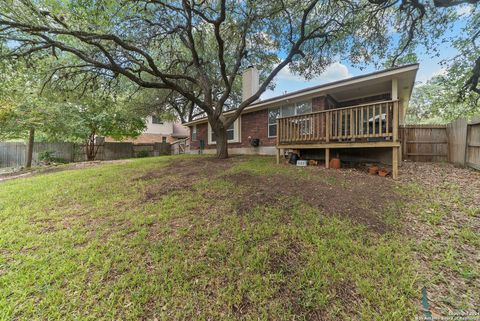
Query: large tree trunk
(222, 142)
(31, 139)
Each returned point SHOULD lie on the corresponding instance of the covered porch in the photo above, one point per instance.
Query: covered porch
(372, 125)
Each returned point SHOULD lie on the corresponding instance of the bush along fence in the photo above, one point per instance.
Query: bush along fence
(13, 154)
(457, 143)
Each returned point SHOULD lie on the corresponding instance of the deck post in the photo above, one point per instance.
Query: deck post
(395, 162)
(327, 157)
(395, 121)
(278, 155)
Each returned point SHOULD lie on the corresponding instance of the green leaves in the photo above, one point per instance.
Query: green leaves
(62, 112)
(438, 100)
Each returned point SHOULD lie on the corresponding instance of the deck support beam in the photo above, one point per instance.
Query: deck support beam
(278, 155)
(394, 162)
(327, 157)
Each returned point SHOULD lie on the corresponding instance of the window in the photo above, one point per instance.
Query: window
(164, 139)
(230, 134)
(194, 132)
(273, 114)
(303, 107)
(233, 133)
(288, 111)
(156, 120)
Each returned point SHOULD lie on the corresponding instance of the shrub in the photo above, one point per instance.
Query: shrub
(143, 153)
(48, 157)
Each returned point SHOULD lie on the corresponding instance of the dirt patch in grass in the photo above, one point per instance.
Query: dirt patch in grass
(182, 175)
(355, 201)
(358, 196)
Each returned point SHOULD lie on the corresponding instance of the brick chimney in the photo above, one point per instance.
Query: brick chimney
(250, 82)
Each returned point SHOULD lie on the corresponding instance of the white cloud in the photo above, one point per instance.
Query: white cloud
(425, 76)
(464, 9)
(334, 72)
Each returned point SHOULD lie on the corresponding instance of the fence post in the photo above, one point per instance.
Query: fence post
(457, 141)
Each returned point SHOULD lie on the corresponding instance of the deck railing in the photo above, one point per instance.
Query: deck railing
(355, 123)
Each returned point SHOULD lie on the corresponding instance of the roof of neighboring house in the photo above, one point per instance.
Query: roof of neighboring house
(409, 70)
(180, 131)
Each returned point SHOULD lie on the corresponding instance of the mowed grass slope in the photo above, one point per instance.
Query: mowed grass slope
(196, 238)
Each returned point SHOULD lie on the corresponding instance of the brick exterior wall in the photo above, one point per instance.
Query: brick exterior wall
(323, 103)
(255, 124)
(202, 133)
(318, 103)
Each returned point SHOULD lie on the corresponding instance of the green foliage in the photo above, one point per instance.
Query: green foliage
(48, 157)
(449, 96)
(59, 113)
(438, 100)
(21, 107)
(143, 153)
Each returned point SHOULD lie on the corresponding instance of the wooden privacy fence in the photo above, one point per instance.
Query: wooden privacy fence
(472, 154)
(13, 154)
(424, 143)
(464, 143)
(457, 143)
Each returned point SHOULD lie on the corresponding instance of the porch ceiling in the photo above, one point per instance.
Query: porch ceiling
(379, 85)
(362, 90)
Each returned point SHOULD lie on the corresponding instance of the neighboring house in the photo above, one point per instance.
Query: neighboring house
(158, 131)
(357, 118)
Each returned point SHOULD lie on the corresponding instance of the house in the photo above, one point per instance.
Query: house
(357, 118)
(158, 131)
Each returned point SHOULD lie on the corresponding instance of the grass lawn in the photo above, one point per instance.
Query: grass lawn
(191, 237)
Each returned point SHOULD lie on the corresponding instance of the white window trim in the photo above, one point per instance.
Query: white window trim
(236, 133)
(281, 111)
(268, 121)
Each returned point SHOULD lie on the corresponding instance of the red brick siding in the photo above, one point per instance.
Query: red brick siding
(254, 124)
(318, 103)
(202, 133)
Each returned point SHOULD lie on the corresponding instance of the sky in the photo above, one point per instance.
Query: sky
(429, 67)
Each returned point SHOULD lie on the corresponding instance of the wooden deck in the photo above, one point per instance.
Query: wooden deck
(371, 125)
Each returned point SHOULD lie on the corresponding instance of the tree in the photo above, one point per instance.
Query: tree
(438, 100)
(197, 49)
(91, 116)
(58, 112)
(22, 110)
